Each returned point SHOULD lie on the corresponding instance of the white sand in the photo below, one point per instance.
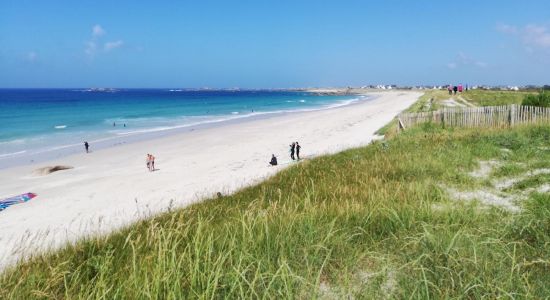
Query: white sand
(112, 187)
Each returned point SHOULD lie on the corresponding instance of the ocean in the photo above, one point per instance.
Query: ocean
(40, 124)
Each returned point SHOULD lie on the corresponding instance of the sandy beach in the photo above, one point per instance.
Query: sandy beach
(110, 188)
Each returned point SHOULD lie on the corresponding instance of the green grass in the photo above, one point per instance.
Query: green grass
(424, 103)
(494, 98)
(431, 101)
(371, 222)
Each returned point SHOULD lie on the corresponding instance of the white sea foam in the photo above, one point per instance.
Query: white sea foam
(301, 100)
(13, 142)
(234, 112)
(60, 126)
(144, 125)
(12, 154)
(236, 116)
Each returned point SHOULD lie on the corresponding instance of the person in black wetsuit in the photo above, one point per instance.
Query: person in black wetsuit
(86, 145)
(292, 146)
(273, 161)
(298, 151)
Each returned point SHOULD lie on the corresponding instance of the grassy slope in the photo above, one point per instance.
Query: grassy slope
(367, 222)
(492, 98)
(431, 100)
(423, 104)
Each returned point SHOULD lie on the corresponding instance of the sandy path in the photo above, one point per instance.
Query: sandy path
(112, 187)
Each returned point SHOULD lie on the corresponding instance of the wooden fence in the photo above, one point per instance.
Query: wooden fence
(487, 116)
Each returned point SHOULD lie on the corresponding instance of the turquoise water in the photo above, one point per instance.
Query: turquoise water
(45, 120)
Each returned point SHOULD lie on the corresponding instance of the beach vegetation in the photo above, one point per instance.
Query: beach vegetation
(381, 221)
(481, 97)
(540, 99)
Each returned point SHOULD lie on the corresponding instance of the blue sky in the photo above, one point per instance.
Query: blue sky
(264, 44)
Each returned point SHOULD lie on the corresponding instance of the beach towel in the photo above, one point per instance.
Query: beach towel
(5, 203)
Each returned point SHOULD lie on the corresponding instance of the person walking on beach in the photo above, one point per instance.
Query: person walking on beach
(292, 147)
(298, 151)
(152, 163)
(450, 89)
(455, 88)
(87, 146)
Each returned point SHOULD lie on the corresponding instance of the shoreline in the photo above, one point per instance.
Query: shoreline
(111, 188)
(36, 157)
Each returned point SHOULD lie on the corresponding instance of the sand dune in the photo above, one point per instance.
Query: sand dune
(110, 188)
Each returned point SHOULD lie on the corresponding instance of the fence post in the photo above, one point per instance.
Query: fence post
(400, 125)
(511, 114)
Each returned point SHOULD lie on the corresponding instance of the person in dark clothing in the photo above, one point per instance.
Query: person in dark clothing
(273, 161)
(455, 88)
(292, 147)
(298, 151)
(87, 146)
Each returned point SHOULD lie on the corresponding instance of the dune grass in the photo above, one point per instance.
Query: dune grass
(372, 222)
(492, 98)
(429, 101)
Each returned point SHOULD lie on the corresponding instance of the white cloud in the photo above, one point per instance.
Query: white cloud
(97, 31)
(464, 60)
(534, 37)
(93, 44)
(481, 64)
(507, 28)
(91, 48)
(32, 56)
(113, 45)
(537, 36)
(451, 65)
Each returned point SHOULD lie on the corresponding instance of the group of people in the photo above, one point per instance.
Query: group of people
(294, 149)
(150, 160)
(454, 89)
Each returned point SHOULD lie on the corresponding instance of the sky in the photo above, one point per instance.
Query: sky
(272, 44)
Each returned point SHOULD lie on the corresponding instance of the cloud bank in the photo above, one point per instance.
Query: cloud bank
(533, 37)
(464, 60)
(93, 45)
(113, 45)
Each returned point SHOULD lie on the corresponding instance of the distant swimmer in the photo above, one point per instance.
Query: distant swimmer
(114, 124)
(124, 124)
(298, 151)
(273, 161)
(87, 146)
